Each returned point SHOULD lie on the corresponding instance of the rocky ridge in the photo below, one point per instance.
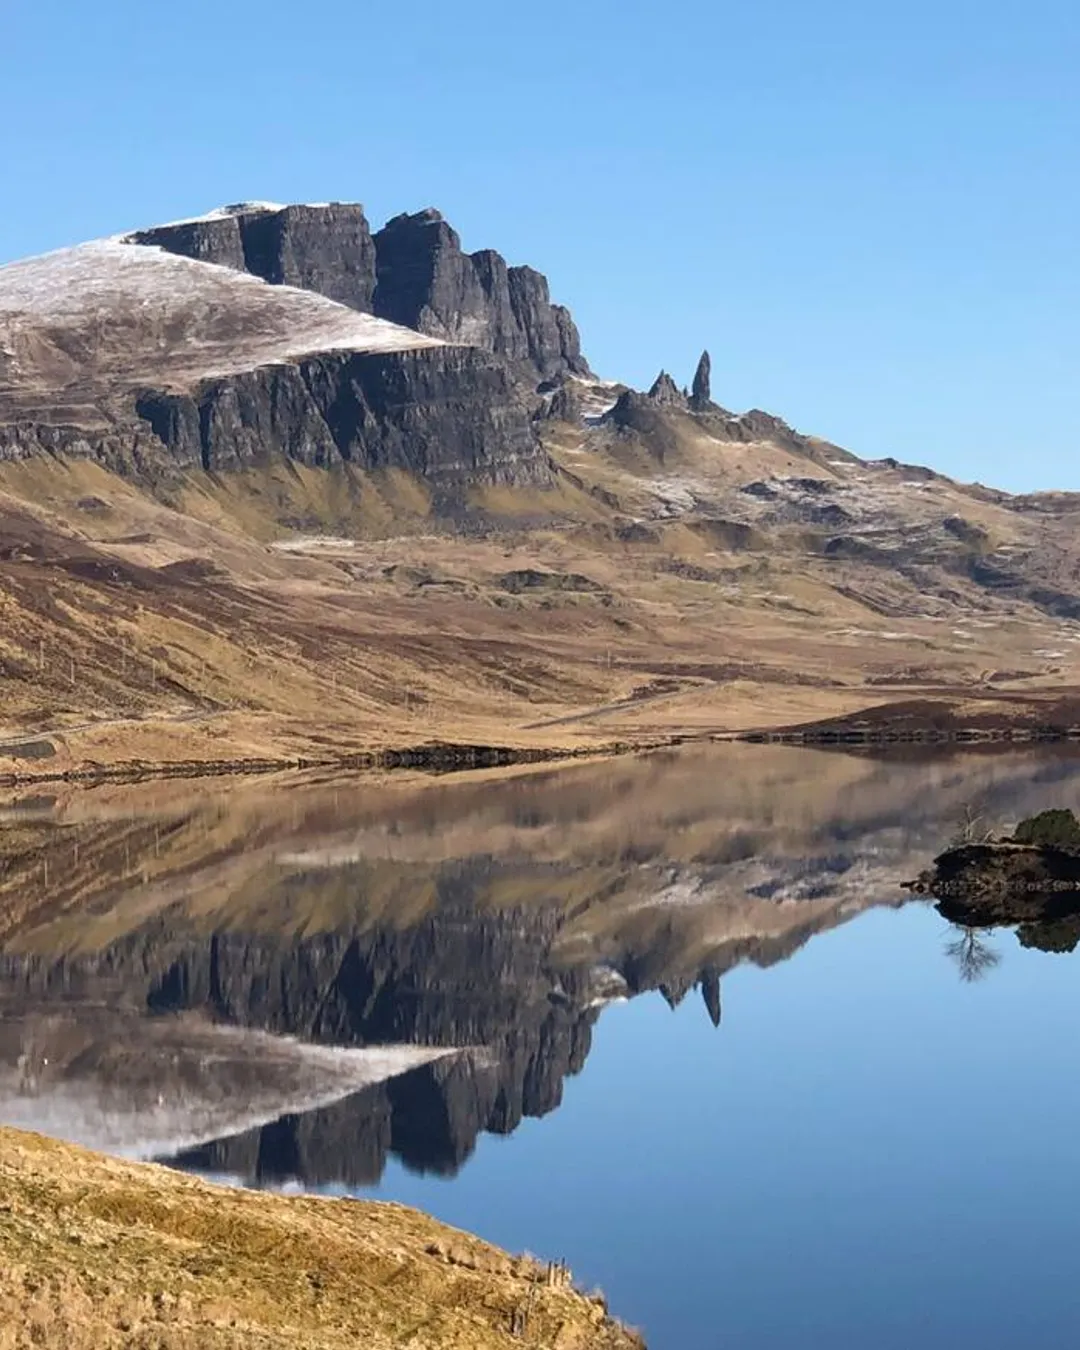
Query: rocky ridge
(412, 272)
(244, 408)
(151, 363)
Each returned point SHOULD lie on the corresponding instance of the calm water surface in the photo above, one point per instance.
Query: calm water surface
(670, 1019)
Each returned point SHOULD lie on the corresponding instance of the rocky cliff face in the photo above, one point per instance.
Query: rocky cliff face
(327, 249)
(426, 281)
(139, 355)
(150, 361)
(412, 272)
(701, 390)
(449, 414)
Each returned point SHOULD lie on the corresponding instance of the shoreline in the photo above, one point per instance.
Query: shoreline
(813, 737)
(448, 758)
(881, 726)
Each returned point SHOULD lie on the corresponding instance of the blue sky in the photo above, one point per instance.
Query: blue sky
(868, 212)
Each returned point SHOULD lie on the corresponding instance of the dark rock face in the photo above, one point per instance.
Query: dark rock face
(563, 404)
(217, 240)
(426, 282)
(710, 992)
(481, 982)
(666, 392)
(445, 413)
(701, 392)
(647, 417)
(453, 415)
(430, 1118)
(327, 249)
(413, 272)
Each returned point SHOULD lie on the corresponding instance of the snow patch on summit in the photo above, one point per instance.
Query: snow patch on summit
(218, 213)
(118, 311)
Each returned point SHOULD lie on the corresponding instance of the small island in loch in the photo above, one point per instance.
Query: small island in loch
(1030, 878)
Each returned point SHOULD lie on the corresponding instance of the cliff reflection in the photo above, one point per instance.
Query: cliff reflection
(299, 980)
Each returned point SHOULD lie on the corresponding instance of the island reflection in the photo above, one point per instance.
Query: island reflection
(1026, 879)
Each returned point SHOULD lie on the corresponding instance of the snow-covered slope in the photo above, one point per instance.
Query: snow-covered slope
(111, 314)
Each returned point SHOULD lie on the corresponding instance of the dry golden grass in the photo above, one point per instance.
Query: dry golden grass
(96, 1254)
(132, 631)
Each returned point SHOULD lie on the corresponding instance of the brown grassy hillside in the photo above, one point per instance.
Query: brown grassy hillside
(96, 1254)
(711, 586)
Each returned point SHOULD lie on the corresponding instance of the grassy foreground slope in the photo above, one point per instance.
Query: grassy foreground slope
(98, 1253)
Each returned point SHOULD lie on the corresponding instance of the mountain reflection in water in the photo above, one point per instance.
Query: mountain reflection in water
(297, 980)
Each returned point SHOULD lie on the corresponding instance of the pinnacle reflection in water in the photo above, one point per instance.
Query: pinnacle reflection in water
(297, 981)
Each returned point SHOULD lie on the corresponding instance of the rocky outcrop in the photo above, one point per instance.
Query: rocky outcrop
(216, 239)
(563, 404)
(427, 282)
(701, 390)
(666, 392)
(651, 419)
(430, 1118)
(1003, 881)
(412, 272)
(650, 415)
(452, 415)
(1009, 882)
(449, 414)
(674, 991)
(327, 249)
(710, 992)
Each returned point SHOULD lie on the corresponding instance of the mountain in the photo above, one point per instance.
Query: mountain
(412, 272)
(148, 363)
(275, 485)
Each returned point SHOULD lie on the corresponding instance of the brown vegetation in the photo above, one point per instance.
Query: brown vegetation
(96, 1253)
(286, 613)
